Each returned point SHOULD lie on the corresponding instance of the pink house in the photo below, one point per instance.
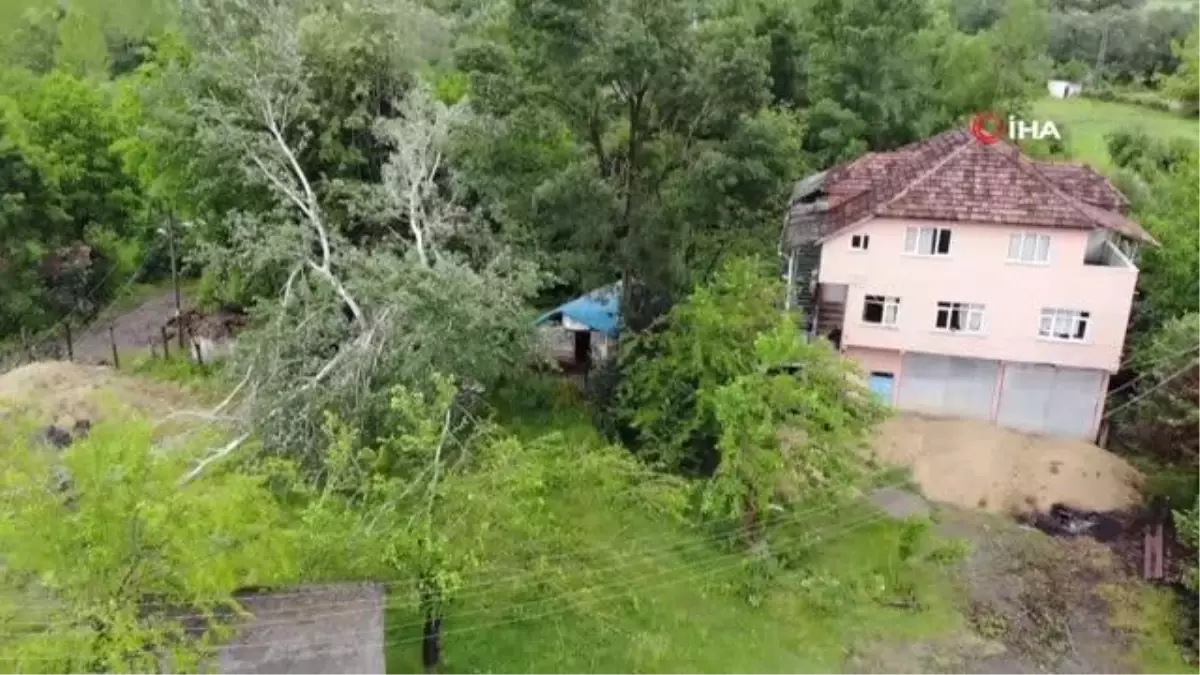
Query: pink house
(968, 280)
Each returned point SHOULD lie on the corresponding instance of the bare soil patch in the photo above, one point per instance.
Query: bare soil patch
(61, 393)
(1031, 604)
(979, 465)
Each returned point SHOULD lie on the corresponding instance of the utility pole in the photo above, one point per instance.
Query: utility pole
(175, 276)
(1103, 48)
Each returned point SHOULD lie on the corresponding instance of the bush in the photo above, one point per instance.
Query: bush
(103, 533)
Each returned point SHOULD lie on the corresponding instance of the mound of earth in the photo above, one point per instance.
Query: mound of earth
(979, 465)
(62, 393)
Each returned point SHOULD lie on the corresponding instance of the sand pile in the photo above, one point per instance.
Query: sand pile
(979, 465)
(58, 392)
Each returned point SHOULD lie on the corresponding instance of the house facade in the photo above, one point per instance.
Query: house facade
(969, 281)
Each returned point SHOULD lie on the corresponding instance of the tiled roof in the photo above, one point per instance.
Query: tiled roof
(952, 176)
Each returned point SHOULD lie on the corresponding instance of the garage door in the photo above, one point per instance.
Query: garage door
(1050, 400)
(948, 385)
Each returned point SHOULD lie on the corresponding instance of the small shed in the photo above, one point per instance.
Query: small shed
(1064, 88)
(584, 330)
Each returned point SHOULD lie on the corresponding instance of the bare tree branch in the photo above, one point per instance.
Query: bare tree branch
(338, 287)
(219, 454)
(313, 210)
(228, 399)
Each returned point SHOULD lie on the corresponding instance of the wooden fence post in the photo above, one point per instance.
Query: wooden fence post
(166, 343)
(70, 342)
(113, 341)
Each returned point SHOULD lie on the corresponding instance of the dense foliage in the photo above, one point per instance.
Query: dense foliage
(105, 554)
(392, 187)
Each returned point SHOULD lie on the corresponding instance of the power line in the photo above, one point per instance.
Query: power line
(740, 559)
(1147, 371)
(706, 570)
(705, 540)
(1153, 389)
(692, 546)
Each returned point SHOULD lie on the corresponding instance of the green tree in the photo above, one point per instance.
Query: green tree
(104, 550)
(710, 353)
(66, 127)
(1168, 279)
(444, 498)
(1184, 84)
(1163, 408)
(635, 97)
(342, 320)
(795, 427)
(863, 70)
(31, 223)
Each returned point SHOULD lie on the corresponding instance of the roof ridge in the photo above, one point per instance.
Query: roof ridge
(924, 176)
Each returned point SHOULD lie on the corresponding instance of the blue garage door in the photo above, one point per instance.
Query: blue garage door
(881, 385)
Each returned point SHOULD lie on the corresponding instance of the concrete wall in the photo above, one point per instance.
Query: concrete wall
(977, 271)
(336, 628)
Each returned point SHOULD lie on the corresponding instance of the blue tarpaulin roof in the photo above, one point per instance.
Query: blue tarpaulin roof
(599, 310)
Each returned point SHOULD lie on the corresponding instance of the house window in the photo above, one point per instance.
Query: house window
(1064, 324)
(880, 309)
(860, 242)
(927, 241)
(1029, 247)
(959, 316)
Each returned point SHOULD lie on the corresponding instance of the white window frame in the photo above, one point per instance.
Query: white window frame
(1064, 325)
(915, 242)
(890, 309)
(864, 242)
(1031, 248)
(971, 317)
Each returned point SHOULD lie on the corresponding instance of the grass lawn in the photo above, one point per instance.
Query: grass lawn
(640, 593)
(1150, 617)
(1085, 122)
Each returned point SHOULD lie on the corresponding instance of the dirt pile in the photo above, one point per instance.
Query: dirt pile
(62, 393)
(979, 465)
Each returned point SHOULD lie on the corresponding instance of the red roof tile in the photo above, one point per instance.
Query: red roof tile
(952, 176)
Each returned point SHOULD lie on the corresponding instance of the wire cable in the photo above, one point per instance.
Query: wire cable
(739, 558)
(1192, 364)
(695, 545)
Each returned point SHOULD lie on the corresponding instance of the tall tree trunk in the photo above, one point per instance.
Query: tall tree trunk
(431, 633)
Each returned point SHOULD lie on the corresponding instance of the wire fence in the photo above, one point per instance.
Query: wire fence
(59, 341)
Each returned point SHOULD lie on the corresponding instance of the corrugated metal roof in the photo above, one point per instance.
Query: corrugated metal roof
(599, 310)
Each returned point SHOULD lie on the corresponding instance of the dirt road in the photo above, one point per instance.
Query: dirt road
(133, 329)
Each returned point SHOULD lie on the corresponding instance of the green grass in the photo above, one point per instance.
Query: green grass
(1085, 122)
(1151, 618)
(643, 593)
